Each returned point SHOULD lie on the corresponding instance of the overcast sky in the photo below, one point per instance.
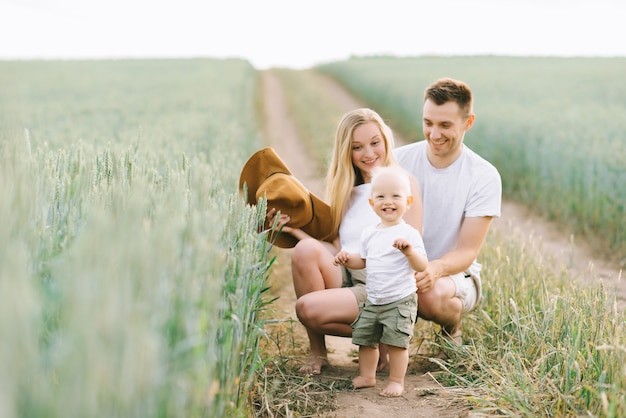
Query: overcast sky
(299, 34)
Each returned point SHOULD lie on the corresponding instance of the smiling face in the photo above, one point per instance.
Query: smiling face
(444, 128)
(391, 196)
(368, 149)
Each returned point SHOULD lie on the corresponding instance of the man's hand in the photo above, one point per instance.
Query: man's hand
(425, 280)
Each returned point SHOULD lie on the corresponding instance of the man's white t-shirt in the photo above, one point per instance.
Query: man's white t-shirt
(470, 187)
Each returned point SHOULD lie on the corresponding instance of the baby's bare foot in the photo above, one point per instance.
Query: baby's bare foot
(392, 390)
(314, 365)
(363, 382)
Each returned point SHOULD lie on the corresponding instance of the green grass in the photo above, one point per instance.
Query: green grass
(131, 273)
(542, 345)
(552, 127)
(133, 283)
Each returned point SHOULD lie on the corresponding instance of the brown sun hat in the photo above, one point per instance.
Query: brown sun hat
(267, 176)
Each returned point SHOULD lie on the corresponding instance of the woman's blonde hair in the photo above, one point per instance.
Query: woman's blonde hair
(342, 174)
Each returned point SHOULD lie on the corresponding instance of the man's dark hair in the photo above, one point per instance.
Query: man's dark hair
(448, 89)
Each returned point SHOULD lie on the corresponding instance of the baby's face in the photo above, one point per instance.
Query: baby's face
(390, 197)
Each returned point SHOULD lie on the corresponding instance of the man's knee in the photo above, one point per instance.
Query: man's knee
(425, 308)
(431, 300)
(438, 306)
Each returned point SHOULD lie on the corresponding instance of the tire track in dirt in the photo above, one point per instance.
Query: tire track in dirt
(282, 135)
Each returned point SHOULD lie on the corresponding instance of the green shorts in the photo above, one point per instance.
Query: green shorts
(355, 281)
(391, 324)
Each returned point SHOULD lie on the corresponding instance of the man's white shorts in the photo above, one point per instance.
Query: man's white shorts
(468, 289)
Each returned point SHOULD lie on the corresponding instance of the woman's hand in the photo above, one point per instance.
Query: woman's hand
(281, 222)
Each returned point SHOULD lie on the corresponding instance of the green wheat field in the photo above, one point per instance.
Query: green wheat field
(133, 282)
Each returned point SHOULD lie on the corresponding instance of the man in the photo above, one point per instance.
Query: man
(462, 192)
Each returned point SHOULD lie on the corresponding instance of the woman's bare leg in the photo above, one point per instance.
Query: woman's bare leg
(325, 312)
(323, 307)
(312, 267)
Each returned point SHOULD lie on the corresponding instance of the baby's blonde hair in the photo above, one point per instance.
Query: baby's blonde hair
(395, 171)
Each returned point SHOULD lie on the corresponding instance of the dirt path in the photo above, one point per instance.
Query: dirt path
(424, 397)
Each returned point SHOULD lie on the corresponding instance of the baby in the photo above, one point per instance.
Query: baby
(392, 251)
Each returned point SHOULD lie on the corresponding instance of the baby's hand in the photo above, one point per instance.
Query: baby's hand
(341, 258)
(403, 245)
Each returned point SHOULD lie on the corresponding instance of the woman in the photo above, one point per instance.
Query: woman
(329, 295)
